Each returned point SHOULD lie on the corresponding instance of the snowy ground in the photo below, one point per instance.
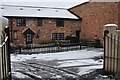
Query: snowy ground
(80, 61)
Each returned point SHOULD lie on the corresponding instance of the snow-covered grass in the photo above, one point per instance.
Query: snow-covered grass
(80, 59)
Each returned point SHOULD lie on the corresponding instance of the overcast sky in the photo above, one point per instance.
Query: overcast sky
(44, 3)
(42, 0)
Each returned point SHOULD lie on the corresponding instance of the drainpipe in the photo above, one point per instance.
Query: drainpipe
(11, 30)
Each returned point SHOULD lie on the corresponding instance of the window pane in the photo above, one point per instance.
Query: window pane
(29, 37)
(39, 22)
(54, 36)
(15, 35)
(58, 36)
(21, 22)
(60, 22)
(62, 36)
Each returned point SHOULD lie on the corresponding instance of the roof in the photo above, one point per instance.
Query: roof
(43, 12)
(104, 0)
(28, 30)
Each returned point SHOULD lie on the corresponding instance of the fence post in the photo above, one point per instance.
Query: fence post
(80, 47)
(118, 51)
(19, 49)
(114, 51)
(8, 52)
(105, 33)
(58, 47)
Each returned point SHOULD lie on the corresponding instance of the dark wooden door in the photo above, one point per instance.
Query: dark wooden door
(78, 34)
(29, 34)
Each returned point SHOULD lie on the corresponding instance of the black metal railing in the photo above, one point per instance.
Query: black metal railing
(45, 48)
(60, 46)
(5, 69)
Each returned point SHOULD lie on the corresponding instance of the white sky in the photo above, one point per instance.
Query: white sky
(44, 3)
(42, 0)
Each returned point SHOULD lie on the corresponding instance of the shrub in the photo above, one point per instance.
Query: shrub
(73, 39)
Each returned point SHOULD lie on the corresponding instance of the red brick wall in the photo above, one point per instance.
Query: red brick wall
(119, 15)
(94, 16)
(45, 32)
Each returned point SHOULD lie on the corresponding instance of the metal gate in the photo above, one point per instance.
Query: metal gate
(5, 69)
(111, 51)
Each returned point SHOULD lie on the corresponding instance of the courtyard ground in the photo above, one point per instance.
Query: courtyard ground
(80, 64)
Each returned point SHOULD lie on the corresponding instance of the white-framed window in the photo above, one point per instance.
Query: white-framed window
(21, 21)
(57, 36)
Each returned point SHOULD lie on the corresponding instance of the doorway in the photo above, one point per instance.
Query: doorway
(78, 34)
(29, 34)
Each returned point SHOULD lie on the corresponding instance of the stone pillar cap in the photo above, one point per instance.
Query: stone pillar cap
(111, 25)
(118, 30)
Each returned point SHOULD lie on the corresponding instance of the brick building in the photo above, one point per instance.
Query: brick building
(84, 20)
(36, 25)
(95, 14)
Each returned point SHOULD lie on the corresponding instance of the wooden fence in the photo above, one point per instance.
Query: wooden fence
(111, 49)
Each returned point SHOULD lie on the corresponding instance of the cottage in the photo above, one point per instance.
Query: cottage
(45, 24)
(33, 25)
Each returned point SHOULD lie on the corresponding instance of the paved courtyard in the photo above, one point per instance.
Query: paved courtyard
(59, 66)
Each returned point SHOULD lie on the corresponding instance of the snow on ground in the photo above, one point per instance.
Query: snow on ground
(88, 69)
(83, 59)
(80, 54)
(19, 75)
